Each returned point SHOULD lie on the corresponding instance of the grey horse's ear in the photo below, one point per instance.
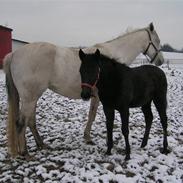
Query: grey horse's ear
(151, 26)
(81, 54)
(97, 53)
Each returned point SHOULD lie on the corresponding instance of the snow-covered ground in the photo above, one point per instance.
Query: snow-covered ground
(61, 122)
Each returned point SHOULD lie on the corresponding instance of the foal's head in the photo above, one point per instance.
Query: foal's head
(89, 71)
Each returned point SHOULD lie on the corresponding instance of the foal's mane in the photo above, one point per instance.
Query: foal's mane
(114, 62)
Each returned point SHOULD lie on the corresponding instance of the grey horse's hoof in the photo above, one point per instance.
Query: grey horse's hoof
(90, 142)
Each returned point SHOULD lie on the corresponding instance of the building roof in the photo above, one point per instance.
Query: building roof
(5, 28)
(20, 41)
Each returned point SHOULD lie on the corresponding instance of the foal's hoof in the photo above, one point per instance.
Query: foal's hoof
(127, 157)
(143, 145)
(165, 151)
(108, 153)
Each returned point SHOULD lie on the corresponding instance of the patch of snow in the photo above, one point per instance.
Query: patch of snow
(61, 123)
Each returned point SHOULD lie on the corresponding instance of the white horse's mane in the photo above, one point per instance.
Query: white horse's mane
(128, 31)
(131, 30)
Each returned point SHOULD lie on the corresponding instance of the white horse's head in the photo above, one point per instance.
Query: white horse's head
(153, 48)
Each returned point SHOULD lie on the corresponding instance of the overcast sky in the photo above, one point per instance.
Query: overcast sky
(86, 22)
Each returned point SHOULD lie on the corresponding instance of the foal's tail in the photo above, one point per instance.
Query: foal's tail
(13, 107)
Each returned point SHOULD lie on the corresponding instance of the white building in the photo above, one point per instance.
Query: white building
(170, 58)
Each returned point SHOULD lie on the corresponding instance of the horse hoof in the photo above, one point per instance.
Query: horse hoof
(90, 142)
(26, 157)
(108, 153)
(29, 158)
(127, 158)
(43, 146)
(164, 151)
(143, 145)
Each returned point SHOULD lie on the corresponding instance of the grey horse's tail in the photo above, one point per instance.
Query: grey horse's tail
(13, 107)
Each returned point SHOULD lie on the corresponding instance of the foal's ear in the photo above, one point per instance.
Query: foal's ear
(151, 26)
(81, 54)
(97, 53)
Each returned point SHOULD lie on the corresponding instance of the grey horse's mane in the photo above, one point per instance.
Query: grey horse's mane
(128, 32)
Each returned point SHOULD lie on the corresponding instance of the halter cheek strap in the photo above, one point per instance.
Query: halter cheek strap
(151, 43)
(90, 85)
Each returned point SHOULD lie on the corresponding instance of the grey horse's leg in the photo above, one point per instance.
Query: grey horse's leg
(27, 118)
(33, 128)
(26, 113)
(92, 114)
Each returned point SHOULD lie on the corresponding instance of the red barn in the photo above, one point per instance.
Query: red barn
(5, 42)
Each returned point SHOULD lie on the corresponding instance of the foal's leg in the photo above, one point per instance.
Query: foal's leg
(146, 109)
(160, 104)
(109, 113)
(92, 114)
(125, 130)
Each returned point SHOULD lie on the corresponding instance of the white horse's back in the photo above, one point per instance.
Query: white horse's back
(31, 69)
(38, 66)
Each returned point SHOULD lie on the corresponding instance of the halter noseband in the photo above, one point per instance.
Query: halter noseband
(90, 85)
(151, 43)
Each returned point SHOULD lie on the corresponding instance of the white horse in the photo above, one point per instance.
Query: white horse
(35, 67)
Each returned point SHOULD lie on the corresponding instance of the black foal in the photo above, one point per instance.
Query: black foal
(120, 88)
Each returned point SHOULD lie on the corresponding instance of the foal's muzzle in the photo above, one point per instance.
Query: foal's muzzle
(86, 93)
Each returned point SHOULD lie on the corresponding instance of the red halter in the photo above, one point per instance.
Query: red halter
(89, 85)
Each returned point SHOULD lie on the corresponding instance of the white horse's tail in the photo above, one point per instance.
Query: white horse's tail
(13, 107)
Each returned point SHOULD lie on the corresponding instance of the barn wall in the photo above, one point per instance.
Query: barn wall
(5, 42)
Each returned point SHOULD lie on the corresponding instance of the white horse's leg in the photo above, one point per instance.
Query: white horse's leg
(27, 117)
(33, 128)
(92, 114)
(21, 128)
(21, 125)
(37, 137)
